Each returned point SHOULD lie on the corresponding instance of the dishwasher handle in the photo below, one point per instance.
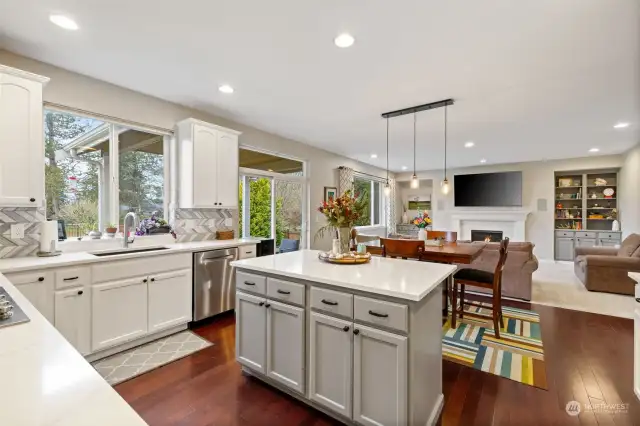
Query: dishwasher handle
(216, 259)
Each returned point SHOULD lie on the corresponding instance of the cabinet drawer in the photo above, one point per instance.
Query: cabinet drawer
(246, 252)
(585, 234)
(609, 236)
(567, 234)
(379, 312)
(71, 277)
(251, 282)
(285, 291)
(334, 302)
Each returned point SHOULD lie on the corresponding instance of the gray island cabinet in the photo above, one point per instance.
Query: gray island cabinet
(361, 343)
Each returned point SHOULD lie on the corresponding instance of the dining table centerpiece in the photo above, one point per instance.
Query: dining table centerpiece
(342, 214)
(422, 220)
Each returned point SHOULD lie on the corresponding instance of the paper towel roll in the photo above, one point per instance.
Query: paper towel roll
(49, 236)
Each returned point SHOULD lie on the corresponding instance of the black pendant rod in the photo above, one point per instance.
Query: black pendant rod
(387, 151)
(415, 109)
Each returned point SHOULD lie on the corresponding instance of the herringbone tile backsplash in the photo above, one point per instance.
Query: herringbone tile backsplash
(30, 244)
(202, 224)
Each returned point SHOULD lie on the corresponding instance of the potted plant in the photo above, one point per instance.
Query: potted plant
(153, 225)
(342, 214)
(422, 221)
(111, 229)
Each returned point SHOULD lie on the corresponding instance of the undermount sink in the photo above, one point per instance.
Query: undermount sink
(127, 251)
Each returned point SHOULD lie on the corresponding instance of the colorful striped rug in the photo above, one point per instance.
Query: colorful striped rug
(518, 354)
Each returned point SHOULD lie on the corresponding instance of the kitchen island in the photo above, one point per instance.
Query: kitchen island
(361, 343)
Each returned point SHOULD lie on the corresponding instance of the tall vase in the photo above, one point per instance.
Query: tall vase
(344, 234)
(422, 234)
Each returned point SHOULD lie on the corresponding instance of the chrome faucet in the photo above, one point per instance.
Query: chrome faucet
(125, 240)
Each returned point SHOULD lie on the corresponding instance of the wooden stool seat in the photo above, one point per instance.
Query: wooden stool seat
(478, 278)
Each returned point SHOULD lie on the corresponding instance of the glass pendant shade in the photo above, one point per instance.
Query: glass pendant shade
(387, 189)
(415, 183)
(444, 186)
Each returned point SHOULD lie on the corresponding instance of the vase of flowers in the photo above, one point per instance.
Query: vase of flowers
(342, 214)
(422, 220)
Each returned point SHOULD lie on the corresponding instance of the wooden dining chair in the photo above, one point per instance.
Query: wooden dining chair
(449, 236)
(404, 249)
(484, 279)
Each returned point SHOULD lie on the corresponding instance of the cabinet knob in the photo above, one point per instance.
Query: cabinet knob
(346, 328)
(153, 279)
(144, 280)
(33, 200)
(261, 304)
(41, 279)
(267, 305)
(80, 293)
(356, 331)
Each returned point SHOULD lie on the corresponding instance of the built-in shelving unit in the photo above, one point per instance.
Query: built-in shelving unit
(586, 207)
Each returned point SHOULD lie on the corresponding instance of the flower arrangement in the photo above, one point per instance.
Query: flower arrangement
(341, 212)
(422, 220)
(153, 225)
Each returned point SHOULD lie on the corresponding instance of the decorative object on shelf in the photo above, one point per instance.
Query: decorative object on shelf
(559, 206)
(330, 193)
(615, 225)
(422, 220)
(95, 235)
(153, 225)
(595, 216)
(224, 235)
(346, 258)
(594, 195)
(608, 192)
(111, 230)
(613, 214)
(342, 214)
(564, 182)
(578, 225)
(600, 182)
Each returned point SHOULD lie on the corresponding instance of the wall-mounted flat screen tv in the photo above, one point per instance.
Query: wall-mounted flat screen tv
(488, 190)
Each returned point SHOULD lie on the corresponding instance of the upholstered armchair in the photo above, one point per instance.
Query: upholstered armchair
(606, 268)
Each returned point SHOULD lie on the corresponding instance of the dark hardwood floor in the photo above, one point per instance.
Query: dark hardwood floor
(589, 359)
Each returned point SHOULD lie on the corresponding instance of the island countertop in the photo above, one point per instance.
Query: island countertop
(403, 279)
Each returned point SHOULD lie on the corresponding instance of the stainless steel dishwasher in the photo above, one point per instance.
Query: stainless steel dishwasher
(214, 282)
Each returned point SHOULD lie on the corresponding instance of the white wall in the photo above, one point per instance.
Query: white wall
(630, 192)
(537, 183)
(81, 92)
(404, 192)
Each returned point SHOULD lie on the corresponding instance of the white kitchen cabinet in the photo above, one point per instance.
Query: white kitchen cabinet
(285, 344)
(169, 299)
(119, 310)
(251, 330)
(330, 359)
(21, 138)
(73, 316)
(37, 287)
(379, 377)
(208, 165)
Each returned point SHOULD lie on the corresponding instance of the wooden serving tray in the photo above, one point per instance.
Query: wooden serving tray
(346, 260)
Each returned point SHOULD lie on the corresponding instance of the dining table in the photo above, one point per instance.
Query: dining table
(448, 252)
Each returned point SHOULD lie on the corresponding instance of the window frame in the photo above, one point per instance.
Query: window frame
(111, 194)
(375, 195)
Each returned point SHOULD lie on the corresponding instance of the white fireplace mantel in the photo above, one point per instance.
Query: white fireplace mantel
(512, 223)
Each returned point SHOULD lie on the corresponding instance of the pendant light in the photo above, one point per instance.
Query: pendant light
(444, 186)
(387, 188)
(415, 183)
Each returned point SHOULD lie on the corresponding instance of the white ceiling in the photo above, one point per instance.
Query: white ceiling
(531, 79)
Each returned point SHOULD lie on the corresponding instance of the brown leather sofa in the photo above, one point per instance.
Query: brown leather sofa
(518, 270)
(606, 268)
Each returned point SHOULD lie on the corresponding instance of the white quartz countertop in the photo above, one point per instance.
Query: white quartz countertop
(403, 279)
(75, 258)
(44, 381)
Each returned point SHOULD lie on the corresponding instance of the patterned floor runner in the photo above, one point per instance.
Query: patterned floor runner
(518, 354)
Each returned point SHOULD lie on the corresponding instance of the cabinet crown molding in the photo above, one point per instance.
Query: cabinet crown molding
(24, 74)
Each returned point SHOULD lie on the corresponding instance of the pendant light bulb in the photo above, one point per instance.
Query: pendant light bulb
(415, 183)
(387, 189)
(444, 186)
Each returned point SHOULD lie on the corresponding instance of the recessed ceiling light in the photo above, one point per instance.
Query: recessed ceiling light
(469, 144)
(621, 125)
(374, 155)
(594, 150)
(225, 88)
(64, 22)
(484, 160)
(404, 167)
(344, 40)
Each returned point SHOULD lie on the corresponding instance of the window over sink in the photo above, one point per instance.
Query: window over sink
(97, 171)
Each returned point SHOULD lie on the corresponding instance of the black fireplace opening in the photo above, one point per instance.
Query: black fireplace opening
(486, 236)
